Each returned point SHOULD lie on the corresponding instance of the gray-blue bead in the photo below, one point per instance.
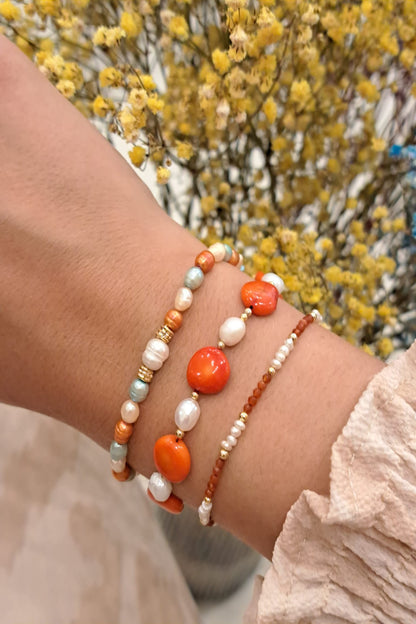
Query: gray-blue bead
(194, 278)
(228, 253)
(138, 390)
(118, 451)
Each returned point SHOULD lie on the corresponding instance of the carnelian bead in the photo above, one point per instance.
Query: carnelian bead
(267, 378)
(173, 504)
(173, 320)
(122, 432)
(205, 261)
(252, 400)
(309, 318)
(247, 408)
(208, 370)
(235, 258)
(257, 393)
(209, 493)
(220, 463)
(172, 458)
(297, 332)
(261, 385)
(261, 297)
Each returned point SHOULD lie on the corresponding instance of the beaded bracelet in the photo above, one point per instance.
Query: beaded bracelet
(239, 425)
(207, 373)
(157, 352)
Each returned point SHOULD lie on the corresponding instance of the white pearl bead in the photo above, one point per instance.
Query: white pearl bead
(218, 251)
(226, 445)
(206, 506)
(129, 411)
(285, 350)
(280, 356)
(231, 440)
(232, 331)
(235, 431)
(289, 344)
(317, 315)
(155, 354)
(239, 424)
(183, 299)
(276, 364)
(160, 487)
(274, 279)
(187, 414)
(118, 465)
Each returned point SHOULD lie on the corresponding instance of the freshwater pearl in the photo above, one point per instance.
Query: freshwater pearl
(218, 251)
(317, 315)
(285, 350)
(205, 260)
(274, 279)
(235, 431)
(118, 451)
(129, 411)
(155, 353)
(289, 344)
(231, 440)
(183, 299)
(232, 331)
(138, 390)
(160, 487)
(118, 465)
(194, 278)
(239, 424)
(276, 364)
(280, 356)
(226, 445)
(187, 414)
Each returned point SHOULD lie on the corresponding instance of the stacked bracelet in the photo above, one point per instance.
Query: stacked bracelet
(207, 373)
(239, 425)
(157, 352)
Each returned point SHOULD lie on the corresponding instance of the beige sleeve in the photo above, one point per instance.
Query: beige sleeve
(351, 558)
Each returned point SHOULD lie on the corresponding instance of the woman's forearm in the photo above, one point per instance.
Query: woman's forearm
(89, 264)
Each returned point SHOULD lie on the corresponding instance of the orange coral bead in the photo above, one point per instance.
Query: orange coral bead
(258, 276)
(205, 261)
(261, 297)
(173, 504)
(125, 475)
(122, 432)
(172, 458)
(208, 370)
(173, 320)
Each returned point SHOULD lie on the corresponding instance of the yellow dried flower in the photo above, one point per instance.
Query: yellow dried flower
(208, 204)
(184, 150)
(268, 246)
(49, 7)
(380, 212)
(221, 61)
(154, 104)
(66, 87)
(108, 37)
(270, 110)
(407, 58)
(101, 106)
(137, 155)
(110, 77)
(178, 28)
(359, 250)
(398, 224)
(9, 11)
(368, 91)
(162, 175)
(131, 23)
(385, 346)
(378, 145)
(300, 92)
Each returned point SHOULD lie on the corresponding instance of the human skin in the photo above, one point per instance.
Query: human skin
(89, 265)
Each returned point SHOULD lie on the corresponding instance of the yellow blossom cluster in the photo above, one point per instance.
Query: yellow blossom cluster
(270, 110)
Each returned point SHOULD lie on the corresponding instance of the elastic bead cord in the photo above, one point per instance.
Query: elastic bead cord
(207, 373)
(157, 352)
(239, 425)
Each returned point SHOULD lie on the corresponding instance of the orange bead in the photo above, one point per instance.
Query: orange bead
(258, 276)
(261, 297)
(172, 458)
(235, 258)
(126, 475)
(205, 261)
(174, 504)
(208, 370)
(122, 432)
(173, 320)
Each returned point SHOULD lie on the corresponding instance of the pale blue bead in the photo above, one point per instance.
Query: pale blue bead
(228, 253)
(138, 390)
(118, 451)
(194, 278)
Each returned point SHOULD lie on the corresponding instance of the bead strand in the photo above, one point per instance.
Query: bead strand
(239, 425)
(207, 373)
(157, 352)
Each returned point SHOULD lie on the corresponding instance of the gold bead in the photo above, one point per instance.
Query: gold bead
(180, 434)
(220, 344)
(145, 374)
(271, 370)
(207, 499)
(224, 454)
(293, 336)
(165, 333)
(243, 417)
(248, 311)
(195, 395)
(244, 316)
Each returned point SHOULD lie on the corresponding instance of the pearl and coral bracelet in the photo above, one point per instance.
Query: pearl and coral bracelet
(239, 425)
(157, 352)
(207, 373)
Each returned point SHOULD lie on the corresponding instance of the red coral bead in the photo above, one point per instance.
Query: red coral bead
(174, 504)
(208, 370)
(262, 297)
(172, 458)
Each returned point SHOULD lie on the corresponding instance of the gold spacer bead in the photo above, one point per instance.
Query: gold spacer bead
(244, 316)
(180, 434)
(207, 499)
(145, 374)
(271, 370)
(293, 336)
(248, 311)
(220, 344)
(165, 333)
(243, 417)
(195, 395)
(224, 454)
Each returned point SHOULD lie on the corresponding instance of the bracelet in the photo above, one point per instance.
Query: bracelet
(239, 425)
(157, 352)
(207, 373)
